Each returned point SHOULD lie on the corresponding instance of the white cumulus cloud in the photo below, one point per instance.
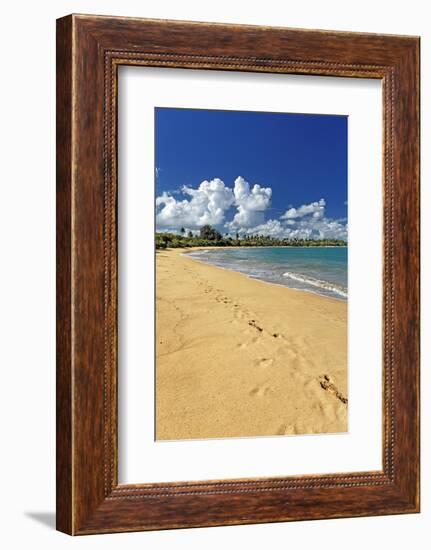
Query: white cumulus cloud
(310, 221)
(271, 228)
(278, 230)
(307, 221)
(251, 204)
(207, 205)
(317, 209)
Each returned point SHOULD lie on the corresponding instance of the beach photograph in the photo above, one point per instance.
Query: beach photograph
(251, 247)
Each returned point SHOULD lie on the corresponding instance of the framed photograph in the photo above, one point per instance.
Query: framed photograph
(237, 274)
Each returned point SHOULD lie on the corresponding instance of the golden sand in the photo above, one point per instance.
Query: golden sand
(239, 357)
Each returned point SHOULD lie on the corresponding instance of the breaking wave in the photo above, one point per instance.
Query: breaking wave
(317, 283)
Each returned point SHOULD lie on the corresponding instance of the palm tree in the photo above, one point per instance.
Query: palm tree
(209, 233)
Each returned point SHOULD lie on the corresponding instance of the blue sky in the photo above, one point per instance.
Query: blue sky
(273, 173)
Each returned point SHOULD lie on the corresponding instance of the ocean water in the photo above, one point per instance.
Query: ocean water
(322, 270)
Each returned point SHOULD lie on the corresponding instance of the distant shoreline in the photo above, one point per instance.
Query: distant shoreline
(210, 237)
(191, 248)
(334, 293)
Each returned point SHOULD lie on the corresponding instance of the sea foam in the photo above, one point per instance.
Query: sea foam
(324, 285)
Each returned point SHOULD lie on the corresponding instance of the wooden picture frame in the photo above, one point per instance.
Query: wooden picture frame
(89, 51)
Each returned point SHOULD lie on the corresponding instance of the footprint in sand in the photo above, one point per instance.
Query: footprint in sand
(253, 324)
(260, 391)
(265, 362)
(223, 299)
(327, 384)
(287, 429)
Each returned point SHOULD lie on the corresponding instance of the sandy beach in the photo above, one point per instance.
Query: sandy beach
(239, 357)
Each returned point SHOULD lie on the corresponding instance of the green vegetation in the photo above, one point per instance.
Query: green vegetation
(208, 236)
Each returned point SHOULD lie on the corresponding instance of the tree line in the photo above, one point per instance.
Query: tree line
(209, 236)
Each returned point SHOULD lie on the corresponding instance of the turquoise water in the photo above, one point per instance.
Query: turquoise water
(322, 270)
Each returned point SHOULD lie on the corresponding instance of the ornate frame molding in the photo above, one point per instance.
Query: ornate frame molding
(90, 49)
